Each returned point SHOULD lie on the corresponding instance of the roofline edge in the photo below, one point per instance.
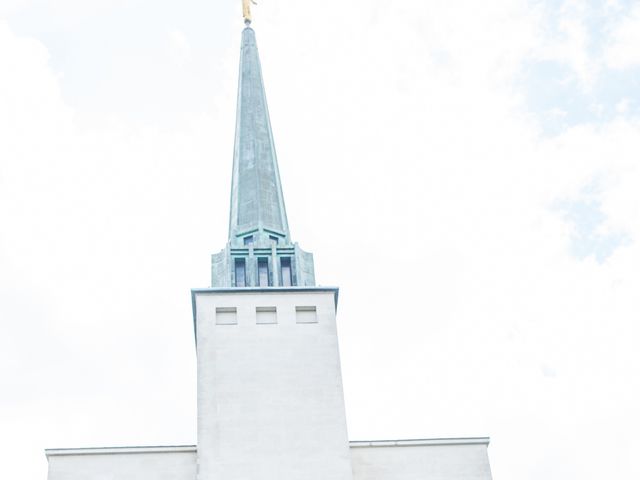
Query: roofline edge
(57, 452)
(420, 442)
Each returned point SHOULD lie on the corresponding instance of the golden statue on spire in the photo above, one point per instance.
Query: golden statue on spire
(246, 10)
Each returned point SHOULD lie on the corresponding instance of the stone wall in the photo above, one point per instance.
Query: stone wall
(156, 463)
(449, 459)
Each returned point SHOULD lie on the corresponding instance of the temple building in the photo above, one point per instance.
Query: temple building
(270, 396)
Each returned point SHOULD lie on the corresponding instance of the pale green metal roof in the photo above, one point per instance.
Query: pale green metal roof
(257, 203)
(260, 251)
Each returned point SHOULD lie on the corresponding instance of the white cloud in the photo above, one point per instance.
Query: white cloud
(624, 48)
(623, 105)
(29, 92)
(179, 47)
(75, 200)
(587, 39)
(565, 38)
(9, 6)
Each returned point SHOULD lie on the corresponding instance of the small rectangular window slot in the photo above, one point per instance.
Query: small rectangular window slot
(266, 315)
(226, 316)
(306, 315)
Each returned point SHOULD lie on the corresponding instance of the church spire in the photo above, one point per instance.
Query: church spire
(257, 203)
(259, 252)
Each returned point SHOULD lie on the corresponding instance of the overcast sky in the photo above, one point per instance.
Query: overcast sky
(466, 172)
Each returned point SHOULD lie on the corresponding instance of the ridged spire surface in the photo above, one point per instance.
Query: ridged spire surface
(260, 252)
(257, 203)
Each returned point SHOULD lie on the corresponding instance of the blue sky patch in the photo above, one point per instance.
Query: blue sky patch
(556, 96)
(587, 219)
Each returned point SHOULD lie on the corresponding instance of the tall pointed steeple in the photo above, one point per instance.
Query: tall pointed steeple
(260, 252)
(257, 203)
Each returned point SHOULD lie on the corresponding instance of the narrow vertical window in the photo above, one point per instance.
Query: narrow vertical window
(285, 271)
(241, 273)
(263, 272)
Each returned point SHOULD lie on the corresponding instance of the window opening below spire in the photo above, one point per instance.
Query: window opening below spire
(264, 279)
(285, 272)
(241, 272)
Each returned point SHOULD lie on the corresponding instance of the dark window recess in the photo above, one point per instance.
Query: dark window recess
(263, 272)
(274, 240)
(285, 272)
(241, 273)
(248, 240)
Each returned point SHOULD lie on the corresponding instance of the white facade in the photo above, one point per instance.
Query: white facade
(443, 459)
(137, 463)
(270, 400)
